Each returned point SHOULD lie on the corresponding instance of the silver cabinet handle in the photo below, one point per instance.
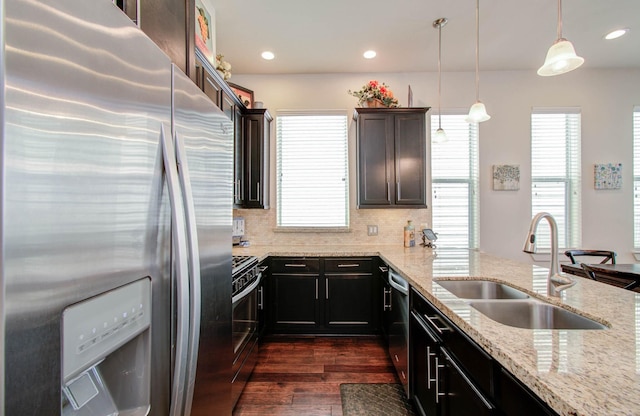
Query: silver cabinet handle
(440, 329)
(261, 298)
(326, 289)
(182, 273)
(295, 265)
(398, 191)
(438, 394)
(348, 265)
(383, 269)
(386, 306)
(316, 288)
(429, 379)
(258, 191)
(388, 192)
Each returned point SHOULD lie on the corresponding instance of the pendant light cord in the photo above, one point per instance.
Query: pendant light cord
(439, 74)
(477, 50)
(559, 19)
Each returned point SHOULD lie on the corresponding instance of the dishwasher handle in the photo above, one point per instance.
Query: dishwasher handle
(398, 283)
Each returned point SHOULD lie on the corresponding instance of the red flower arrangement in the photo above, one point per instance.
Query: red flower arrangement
(375, 90)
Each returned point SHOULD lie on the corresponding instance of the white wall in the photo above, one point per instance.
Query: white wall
(606, 98)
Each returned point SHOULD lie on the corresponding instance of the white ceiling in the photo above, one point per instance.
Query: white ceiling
(329, 36)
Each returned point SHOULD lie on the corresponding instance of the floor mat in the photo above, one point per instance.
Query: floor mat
(374, 400)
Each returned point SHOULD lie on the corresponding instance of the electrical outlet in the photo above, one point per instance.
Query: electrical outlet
(372, 230)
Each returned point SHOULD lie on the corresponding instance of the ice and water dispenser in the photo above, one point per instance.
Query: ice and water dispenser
(106, 354)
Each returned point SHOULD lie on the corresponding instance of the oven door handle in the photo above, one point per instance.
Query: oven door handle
(247, 289)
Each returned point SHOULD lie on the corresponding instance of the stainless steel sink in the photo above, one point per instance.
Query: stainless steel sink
(481, 289)
(532, 314)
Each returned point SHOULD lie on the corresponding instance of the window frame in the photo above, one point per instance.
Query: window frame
(471, 180)
(571, 236)
(309, 227)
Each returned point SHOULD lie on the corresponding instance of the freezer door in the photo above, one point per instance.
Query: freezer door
(84, 204)
(204, 144)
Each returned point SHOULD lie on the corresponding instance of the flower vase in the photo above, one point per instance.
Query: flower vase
(373, 103)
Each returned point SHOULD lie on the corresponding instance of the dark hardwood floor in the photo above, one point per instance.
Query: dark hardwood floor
(301, 376)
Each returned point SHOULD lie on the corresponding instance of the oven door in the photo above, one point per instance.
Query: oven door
(245, 336)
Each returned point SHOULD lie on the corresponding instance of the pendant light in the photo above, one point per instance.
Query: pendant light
(477, 112)
(561, 57)
(440, 136)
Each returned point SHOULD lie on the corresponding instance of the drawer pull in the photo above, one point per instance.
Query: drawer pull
(295, 265)
(432, 320)
(349, 265)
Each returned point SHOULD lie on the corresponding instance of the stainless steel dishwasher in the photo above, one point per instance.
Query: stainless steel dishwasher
(399, 328)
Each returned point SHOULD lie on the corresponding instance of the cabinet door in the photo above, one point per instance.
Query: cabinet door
(517, 399)
(295, 301)
(252, 159)
(239, 162)
(256, 134)
(349, 301)
(410, 154)
(461, 396)
(375, 159)
(423, 350)
(210, 86)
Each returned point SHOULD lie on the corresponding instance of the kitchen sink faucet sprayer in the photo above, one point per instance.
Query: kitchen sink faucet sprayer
(555, 281)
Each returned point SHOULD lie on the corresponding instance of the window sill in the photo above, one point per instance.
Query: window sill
(312, 230)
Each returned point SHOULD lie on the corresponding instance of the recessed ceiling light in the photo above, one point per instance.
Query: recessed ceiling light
(616, 34)
(268, 55)
(369, 54)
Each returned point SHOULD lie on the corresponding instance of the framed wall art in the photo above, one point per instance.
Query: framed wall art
(607, 175)
(506, 177)
(205, 32)
(245, 95)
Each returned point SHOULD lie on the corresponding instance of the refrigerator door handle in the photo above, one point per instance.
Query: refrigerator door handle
(182, 273)
(194, 275)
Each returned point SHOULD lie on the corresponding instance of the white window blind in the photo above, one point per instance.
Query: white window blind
(636, 177)
(454, 177)
(555, 173)
(312, 169)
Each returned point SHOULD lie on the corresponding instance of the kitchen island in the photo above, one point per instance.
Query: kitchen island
(576, 372)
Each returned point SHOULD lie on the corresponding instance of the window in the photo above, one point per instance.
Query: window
(555, 173)
(636, 177)
(454, 177)
(312, 182)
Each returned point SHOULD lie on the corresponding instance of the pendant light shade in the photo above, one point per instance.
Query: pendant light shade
(440, 136)
(561, 57)
(477, 112)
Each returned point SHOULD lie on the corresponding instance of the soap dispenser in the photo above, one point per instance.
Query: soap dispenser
(409, 235)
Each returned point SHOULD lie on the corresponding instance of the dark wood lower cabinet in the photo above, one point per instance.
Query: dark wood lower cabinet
(324, 296)
(296, 305)
(514, 398)
(452, 376)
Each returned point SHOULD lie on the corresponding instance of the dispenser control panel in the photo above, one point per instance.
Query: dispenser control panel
(94, 328)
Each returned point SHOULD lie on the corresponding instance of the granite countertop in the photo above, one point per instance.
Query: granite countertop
(576, 372)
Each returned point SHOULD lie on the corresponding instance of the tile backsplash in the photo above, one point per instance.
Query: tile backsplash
(260, 228)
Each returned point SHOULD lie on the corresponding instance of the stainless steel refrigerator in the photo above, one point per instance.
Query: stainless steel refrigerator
(116, 209)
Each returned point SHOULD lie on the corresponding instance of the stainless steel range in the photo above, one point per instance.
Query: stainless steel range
(244, 270)
(246, 278)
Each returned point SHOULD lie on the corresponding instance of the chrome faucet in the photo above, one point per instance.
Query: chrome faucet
(556, 282)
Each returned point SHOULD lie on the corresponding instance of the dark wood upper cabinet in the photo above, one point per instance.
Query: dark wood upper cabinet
(252, 160)
(391, 148)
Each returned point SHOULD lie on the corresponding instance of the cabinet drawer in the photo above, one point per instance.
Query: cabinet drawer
(475, 361)
(295, 265)
(348, 265)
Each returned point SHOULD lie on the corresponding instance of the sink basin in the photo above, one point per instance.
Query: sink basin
(531, 314)
(481, 289)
